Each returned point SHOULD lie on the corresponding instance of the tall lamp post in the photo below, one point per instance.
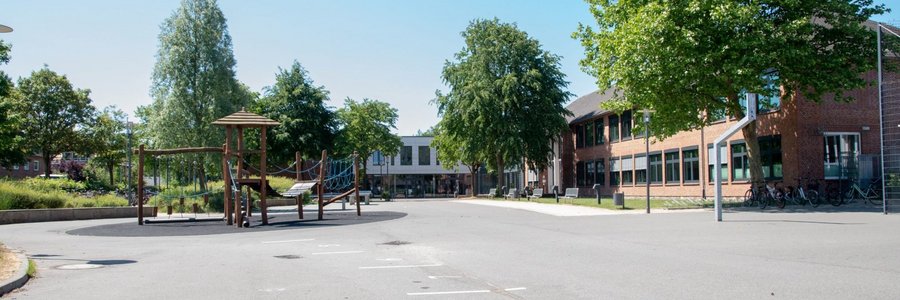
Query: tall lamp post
(647, 150)
(128, 164)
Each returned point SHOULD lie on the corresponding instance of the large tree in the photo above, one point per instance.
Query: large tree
(11, 150)
(53, 113)
(464, 148)
(307, 124)
(691, 60)
(366, 127)
(194, 79)
(107, 140)
(506, 97)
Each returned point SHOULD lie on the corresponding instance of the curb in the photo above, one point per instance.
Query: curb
(19, 279)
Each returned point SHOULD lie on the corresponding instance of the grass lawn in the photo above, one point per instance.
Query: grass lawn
(630, 203)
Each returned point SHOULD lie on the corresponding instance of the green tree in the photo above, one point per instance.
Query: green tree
(506, 94)
(193, 79)
(11, 150)
(692, 60)
(307, 124)
(464, 148)
(107, 139)
(52, 113)
(365, 127)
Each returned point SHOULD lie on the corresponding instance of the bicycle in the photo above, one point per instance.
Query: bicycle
(801, 195)
(869, 195)
(762, 194)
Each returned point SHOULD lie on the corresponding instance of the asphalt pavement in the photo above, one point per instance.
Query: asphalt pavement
(439, 249)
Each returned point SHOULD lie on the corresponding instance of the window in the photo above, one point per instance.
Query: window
(579, 136)
(770, 156)
(579, 170)
(589, 132)
(424, 156)
(35, 165)
(717, 114)
(393, 158)
(691, 163)
(589, 173)
(656, 168)
(640, 168)
(377, 158)
(406, 156)
(613, 128)
(723, 160)
(615, 166)
(841, 151)
(773, 102)
(26, 167)
(626, 125)
(740, 162)
(15, 167)
(673, 167)
(627, 170)
(600, 177)
(598, 128)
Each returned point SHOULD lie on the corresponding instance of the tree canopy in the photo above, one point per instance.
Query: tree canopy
(365, 127)
(107, 140)
(11, 141)
(52, 113)
(307, 124)
(691, 60)
(194, 79)
(506, 98)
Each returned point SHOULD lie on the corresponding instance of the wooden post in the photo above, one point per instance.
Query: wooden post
(240, 152)
(263, 184)
(140, 186)
(321, 185)
(227, 174)
(356, 181)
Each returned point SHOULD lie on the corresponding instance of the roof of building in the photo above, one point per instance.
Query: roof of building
(246, 119)
(588, 106)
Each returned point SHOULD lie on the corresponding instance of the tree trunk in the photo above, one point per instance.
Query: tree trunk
(202, 176)
(473, 170)
(46, 157)
(501, 176)
(753, 153)
(109, 169)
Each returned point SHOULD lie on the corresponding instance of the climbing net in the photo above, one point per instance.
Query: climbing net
(339, 173)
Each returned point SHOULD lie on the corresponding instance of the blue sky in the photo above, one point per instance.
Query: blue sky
(387, 50)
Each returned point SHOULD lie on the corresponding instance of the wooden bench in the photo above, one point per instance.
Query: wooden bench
(513, 193)
(492, 193)
(537, 194)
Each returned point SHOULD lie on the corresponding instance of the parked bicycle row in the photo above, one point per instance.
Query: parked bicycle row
(812, 192)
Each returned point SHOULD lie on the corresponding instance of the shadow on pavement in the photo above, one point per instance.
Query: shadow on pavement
(277, 221)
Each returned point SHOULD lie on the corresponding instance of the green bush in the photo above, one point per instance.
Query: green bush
(40, 193)
(20, 197)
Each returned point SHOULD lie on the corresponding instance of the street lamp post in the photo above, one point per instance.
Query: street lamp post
(647, 151)
(128, 164)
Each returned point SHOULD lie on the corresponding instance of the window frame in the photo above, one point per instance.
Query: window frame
(614, 126)
(655, 168)
(690, 165)
(672, 176)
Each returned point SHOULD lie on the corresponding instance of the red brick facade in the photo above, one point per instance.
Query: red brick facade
(801, 125)
(33, 167)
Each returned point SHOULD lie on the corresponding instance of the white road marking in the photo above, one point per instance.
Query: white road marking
(397, 267)
(329, 245)
(337, 252)
(461, 292)
(438, 277)
(389, 259)
(288, 241)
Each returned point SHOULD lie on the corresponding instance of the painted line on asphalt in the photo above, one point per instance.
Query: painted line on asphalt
(288, 241)
(388, 259)
(444, 276)
(329, 245)
(398, 267)
(461, 292)
(337, 252)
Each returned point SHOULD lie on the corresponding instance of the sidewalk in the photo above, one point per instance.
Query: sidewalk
(565, 210)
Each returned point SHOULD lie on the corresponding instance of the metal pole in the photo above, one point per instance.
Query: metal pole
(881, 127)
(647, 154)
(128, 164)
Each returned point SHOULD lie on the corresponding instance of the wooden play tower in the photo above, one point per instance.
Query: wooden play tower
(236, 123)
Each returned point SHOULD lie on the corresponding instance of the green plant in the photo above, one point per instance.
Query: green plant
(32, 269)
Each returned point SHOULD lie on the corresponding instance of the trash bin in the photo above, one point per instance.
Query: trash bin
(619, 199)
